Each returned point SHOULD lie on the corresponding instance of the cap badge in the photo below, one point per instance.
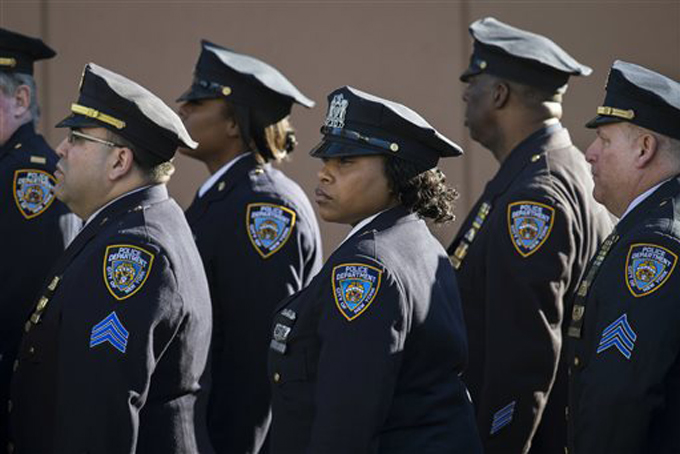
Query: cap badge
(336, 112)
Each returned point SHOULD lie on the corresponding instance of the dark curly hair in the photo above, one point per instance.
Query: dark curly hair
(425, 193)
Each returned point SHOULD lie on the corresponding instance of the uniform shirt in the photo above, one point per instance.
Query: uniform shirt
(522, 251)
(260, 242)
(114, 352)
(625, 365)
(366, 359)
(35, 228)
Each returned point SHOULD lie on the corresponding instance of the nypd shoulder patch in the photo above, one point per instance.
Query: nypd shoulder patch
(269, 226)
(355, 286)
(33, 191)
(648, 267)
(529, 224)
(126, 268)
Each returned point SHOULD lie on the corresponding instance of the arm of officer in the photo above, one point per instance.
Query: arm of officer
(630, 400)
(111, 342)
(358, 362)
(528, 267)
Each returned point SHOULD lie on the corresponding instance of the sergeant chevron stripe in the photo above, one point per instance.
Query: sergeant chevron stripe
(503, 417)
(110, 330)
(620, 335)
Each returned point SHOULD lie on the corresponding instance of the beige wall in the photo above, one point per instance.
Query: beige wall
(409, 51)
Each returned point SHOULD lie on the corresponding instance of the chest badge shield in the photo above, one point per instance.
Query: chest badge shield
(529, 224)
(33, 191)
(648, 267)
(355, 286)
(126, 268)
(269, 227)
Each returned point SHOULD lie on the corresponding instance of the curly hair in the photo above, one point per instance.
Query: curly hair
(425, 193)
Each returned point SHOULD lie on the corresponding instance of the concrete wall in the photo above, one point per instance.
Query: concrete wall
(409, 51)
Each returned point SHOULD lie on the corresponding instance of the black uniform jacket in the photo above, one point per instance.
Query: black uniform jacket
(625, 367)
(115, 349)
(367, 358)
(35, 228)
(260, 242)
(528, 240)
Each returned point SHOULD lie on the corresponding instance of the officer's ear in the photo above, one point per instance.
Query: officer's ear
(22, 101)
(501, 93)
(647, 146)
(122, 160)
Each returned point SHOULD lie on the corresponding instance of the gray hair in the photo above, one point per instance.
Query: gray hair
(157, 174)
(10, 82)
(666, 145)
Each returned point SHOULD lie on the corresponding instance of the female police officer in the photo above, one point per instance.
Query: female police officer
(366, 358)
(255, 229)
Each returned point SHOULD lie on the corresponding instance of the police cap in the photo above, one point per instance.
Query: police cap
(109, 100)
(642, 97)
(243, 80)
(520, 56)
(18, 52)
(359, 124)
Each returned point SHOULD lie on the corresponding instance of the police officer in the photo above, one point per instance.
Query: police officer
(522, 250)
(114, 351)
(367, 358)
(625, 352)
(34, 225)
(254, 227)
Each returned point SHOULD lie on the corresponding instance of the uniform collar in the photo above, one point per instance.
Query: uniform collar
(136, 198)
(639, 199)
(214, 178)
(380, 221)
(667, 190)
(22, 134)
(530, 150)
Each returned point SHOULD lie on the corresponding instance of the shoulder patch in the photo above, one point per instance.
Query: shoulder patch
(269, 227)
(126, 268)
(355, 286)
(529, 224)
(648, 267)
(33, 191)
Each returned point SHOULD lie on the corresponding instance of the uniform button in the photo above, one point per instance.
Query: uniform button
(9, 406)
(277, 377)
(577, 361)
(10, 448)
(31, 350)
(566, 413)
(27, 326)
(16, 365)
(535, 157)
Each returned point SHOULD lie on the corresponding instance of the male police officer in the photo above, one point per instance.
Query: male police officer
(521, 252)
(34, 226)
(238, 108)
(625, 352)
(114, 351)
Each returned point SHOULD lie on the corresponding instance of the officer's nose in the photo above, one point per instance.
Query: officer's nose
(323, 174)
(591, 152)
(61, 149)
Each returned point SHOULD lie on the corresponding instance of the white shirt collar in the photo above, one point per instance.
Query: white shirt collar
(359, 226)
(639, 199)
(210, 182)
(94, 215)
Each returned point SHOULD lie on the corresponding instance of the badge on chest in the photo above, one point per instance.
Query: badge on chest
(33, 191)
(269, 227)
(126, 269)
(530, 224)
(355, 286)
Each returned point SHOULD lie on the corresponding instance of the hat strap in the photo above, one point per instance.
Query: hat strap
(97, 115)
(8, 61)
(614, 112)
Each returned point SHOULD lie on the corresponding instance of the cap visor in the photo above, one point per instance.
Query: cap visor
(79, 121)
(602, 120)
(334, 149)
(469, 72)
(197, 92)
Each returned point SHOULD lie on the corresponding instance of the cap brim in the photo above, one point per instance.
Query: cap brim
(196, 92)
(79, 121)
(601, 120)
(469, 72)
(335, 149)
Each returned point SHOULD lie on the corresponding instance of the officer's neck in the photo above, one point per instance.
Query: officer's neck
(514, 132)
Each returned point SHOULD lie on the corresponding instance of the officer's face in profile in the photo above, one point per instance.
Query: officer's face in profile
(353, 188)
(478, 98)
(209, 123)
(82, 180)
(611, 157)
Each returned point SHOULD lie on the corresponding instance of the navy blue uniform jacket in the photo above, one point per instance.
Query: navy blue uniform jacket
(260, 242)
(116, 347)
(625, 367)
(367, 358)
(35, 228)
(527, 251)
